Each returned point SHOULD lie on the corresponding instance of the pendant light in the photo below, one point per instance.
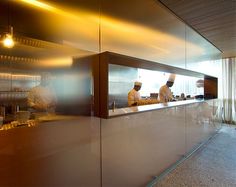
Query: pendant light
(8, 41)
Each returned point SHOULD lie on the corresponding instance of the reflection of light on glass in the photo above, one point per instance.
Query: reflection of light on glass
(61, 11)
(212, 67)
(81, 24)
(121, 31)
(57, 62)
(8, 41)
(120, 36)
(5, 75)
(19, 82)
(39, 4)
(72, 85)
(160, 49)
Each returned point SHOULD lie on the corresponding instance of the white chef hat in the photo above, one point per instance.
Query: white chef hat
(200, 83)
(137, 83)
(171, 78)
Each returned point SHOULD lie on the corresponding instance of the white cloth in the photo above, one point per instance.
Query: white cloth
(165, 94)
(229, 90)
(41, 98)
(133, 97)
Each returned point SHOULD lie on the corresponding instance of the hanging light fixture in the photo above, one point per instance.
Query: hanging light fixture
(8, 41)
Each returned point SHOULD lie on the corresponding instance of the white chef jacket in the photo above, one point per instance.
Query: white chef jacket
(165, 94)
(43, 96)
(133, 96)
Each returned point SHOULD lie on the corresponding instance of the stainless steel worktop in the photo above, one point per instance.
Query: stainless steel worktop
(145, 108)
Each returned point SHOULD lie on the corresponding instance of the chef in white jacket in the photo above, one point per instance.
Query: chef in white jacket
(42, 98)
(165, 94)
(134, 95)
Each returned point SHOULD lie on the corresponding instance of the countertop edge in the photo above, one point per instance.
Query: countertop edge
(146, 108)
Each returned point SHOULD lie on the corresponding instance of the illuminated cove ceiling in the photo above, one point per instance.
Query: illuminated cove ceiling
(78, 25)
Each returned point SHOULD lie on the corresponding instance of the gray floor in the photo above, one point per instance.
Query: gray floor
(214, 165)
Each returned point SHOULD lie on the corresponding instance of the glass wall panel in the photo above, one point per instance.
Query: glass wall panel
(143, 29)
(139, 146)
(199, 123)
(74, 23)
(51, 52)
(55, 153)
(49, 135)
(206, 58)
(58, 142)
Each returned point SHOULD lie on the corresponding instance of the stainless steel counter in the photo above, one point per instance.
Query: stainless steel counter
(145, 108)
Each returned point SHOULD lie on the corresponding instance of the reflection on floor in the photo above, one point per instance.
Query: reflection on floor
(213, 166)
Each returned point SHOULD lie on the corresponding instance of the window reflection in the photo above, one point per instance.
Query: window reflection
(56, 87)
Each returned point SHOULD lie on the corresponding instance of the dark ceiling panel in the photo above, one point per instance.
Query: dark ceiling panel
(213, 19)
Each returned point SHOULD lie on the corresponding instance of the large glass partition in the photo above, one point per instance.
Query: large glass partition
(153, 140)
(142, 145)
(158, 36)
(55, 44)
(47, 94)
(207, 61)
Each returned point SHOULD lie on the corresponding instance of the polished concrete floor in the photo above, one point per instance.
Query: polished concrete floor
(214, 165)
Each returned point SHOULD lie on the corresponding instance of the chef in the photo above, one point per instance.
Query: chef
(134, 95)
(165, 94)
(42, 98)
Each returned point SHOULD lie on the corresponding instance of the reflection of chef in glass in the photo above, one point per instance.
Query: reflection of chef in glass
(134, 95)
(200, 89)
(165, 94)
(200, 83)
(42, 98)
